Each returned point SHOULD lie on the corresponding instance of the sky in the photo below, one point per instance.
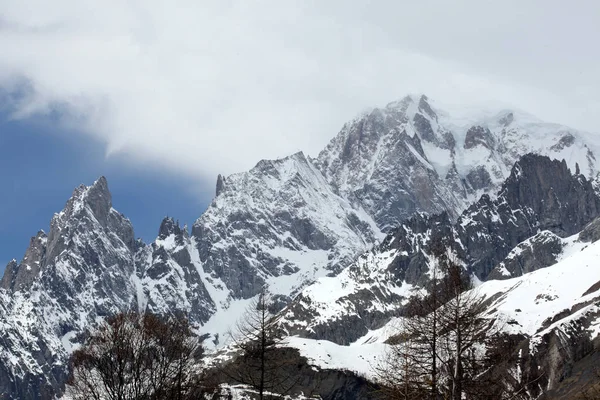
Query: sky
(40, 167)
(162, 96)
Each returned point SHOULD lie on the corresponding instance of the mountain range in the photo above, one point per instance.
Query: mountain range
(341, 240)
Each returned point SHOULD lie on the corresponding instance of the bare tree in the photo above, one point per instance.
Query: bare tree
(262, 363)
(401, 375)
(442, 342)
(468, 340)
(137, 356)
(410, 367)
(463, 329)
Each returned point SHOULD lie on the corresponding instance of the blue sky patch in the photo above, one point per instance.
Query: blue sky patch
(41, 165)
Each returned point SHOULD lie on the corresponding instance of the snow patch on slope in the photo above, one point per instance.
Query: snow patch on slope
(533, 298)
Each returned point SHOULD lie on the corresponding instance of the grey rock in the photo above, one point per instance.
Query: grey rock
(10, 272)
(539, 251)
(507, 119)
(21, 276)
(88, 267)
(565, 141)
(220, 185)
(379, 163)
(423, 126)
(479, 136)
(540, 203)
(278, 207)
(426, 108)
(591, 232)
(175, 281)
(479, 178)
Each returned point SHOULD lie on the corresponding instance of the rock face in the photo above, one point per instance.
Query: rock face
(555, 311)
(88, 267)
(539, 251)
(411, 157)
(479, 136)
(262, 220)
(380, 162)
(591, 232)
(540, 194)
(21, 276)
(169, 278)
(78, 273)
(408, 169)
(540, 203)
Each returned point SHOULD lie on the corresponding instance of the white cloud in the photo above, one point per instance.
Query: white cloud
(205, 87)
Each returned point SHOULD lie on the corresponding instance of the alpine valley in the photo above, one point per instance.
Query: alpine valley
(342, 241)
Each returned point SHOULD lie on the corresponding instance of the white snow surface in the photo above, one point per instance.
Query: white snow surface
(533, 298)
(526, 302)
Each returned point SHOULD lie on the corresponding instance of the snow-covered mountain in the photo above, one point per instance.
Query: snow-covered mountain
(552, 315)
(414, 157)
(294, 223)
(281, 221)
(540, 203)
(68, 279)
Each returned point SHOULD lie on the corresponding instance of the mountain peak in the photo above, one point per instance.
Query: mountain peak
(220, 184)
(564, 202)
(10, 271)
(425, 108)
(404, 103)
(96, 198)
(101, 185)
(168, 227)
(99, 198)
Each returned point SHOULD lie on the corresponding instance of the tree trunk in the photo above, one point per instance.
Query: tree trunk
(434, 356)
(263, 346)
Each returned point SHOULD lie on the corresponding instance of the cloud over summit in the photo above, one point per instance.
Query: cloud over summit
(212, 87)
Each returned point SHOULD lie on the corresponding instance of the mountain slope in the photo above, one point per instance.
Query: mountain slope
(414, 157)
(88, 267)
(540, 195)
(553, 314)
(290, 222)
(279, 222)
(78, 273)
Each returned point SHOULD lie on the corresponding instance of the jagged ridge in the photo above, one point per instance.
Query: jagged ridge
(540, 195)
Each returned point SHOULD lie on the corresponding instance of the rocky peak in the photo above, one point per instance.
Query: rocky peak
(95, 198)
(506, 119)
(479, 136)
(99, 199)
(81, 272)
(402, 105)
(88, 209)
(540, 194)
(425, 108)
(281, 168)
(564, 202)
(21, 276)
(169, 227)
(220, 184)
(10, 272)
(280, 208)
(384, 162)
